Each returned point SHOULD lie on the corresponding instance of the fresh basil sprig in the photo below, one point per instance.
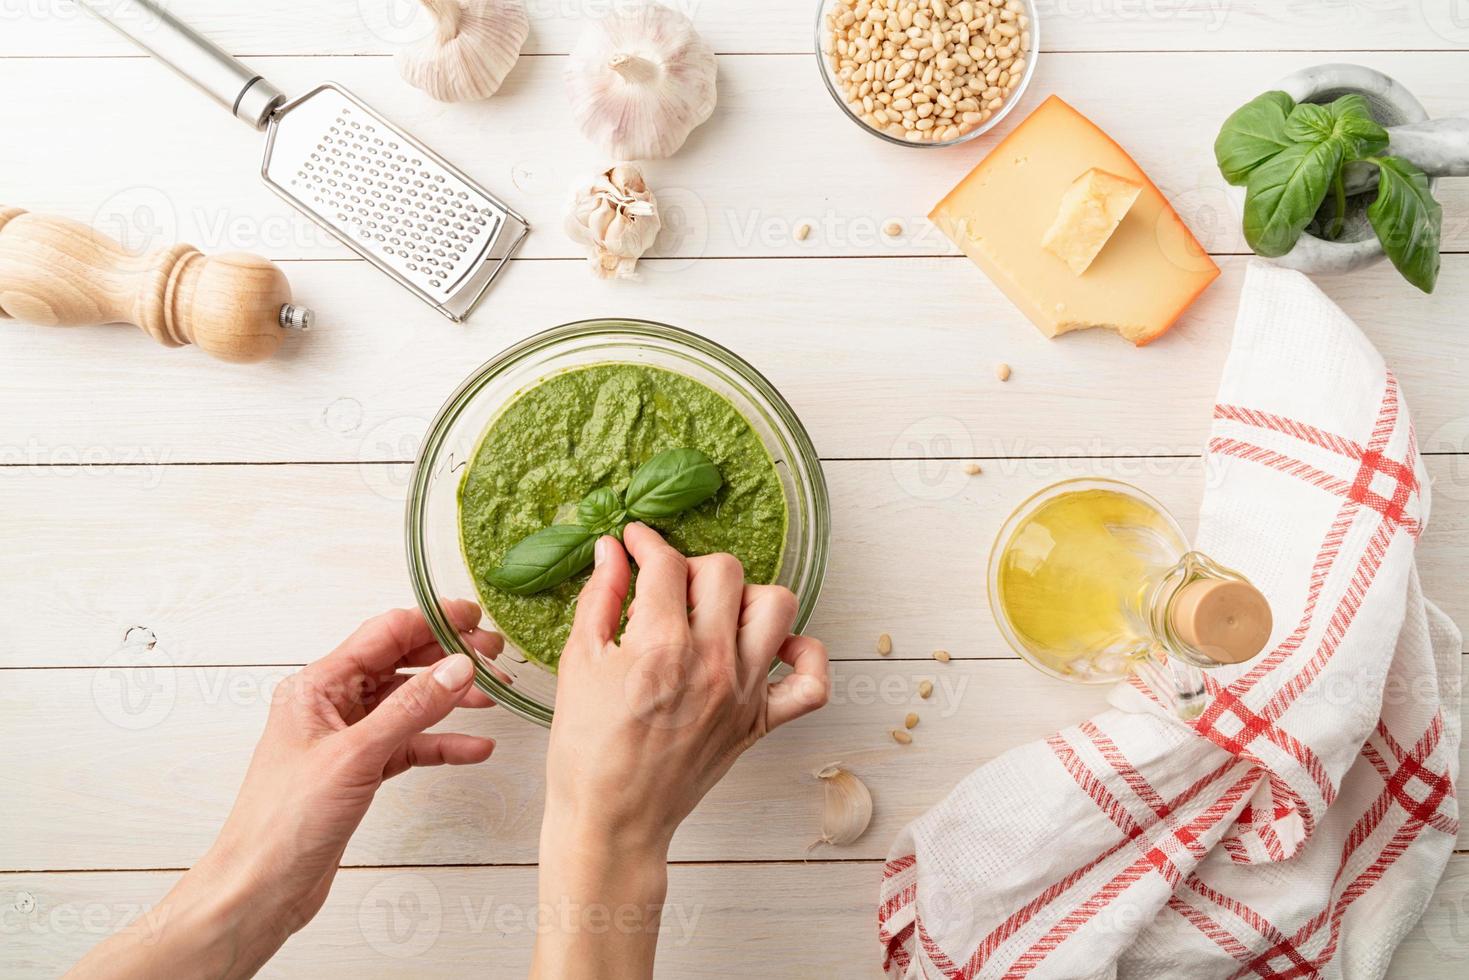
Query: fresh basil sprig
(545, 559)
(1289, 157)
(672, 482)
(602, 512)
(665, 486)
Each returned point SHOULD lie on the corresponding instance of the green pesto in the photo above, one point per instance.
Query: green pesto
(590, 427)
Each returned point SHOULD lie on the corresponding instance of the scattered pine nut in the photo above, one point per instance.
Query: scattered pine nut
(902, 737)
(884, 645)
(803, 230)
(911, 721)
(942, 656)
(892, 229)
(925, 689)
(1002, 371)
(972, 469)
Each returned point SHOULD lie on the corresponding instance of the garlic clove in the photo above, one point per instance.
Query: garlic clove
(474, 45)
(848, 808)
(640, 80)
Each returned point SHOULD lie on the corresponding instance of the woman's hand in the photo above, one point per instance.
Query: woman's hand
(644, 727)
(336, 731)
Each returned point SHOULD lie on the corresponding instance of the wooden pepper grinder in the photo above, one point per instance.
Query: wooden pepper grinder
(234, 306)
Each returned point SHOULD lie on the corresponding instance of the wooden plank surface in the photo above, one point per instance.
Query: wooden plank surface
(149, 607)
(40, 28)
(274, 565)
(739, 187)
(135, 768)
(913, 381)
(773, 920)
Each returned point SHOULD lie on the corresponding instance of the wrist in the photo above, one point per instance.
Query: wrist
(601, 895)
(227, 907)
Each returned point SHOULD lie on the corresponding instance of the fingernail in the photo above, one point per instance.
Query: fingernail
(454, 672)
(599, 554)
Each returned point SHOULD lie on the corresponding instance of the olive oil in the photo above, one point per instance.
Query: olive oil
(1076, 576)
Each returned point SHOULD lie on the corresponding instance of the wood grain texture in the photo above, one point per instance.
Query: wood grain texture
(274, 565)
(35, 28)
(774, 921)
(739, 187)
(156, 585)
(910, 378)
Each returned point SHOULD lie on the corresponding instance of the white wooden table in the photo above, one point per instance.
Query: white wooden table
(180, 534)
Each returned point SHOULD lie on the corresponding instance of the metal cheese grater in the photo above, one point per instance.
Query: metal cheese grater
(385, 195)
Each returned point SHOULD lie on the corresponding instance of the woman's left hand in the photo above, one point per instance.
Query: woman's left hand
(336, 731)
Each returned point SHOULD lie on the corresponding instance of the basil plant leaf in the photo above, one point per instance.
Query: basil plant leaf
(672, 482)
(1310, 123)
(1408, 221)
(601, 511)
(545, 559)
(1254, 133)
(1367, 137)
(1285, 192)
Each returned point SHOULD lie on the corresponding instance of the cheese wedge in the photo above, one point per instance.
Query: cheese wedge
(1091, 209)
(1151, 269)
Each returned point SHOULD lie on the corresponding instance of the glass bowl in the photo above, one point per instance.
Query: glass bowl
(435, 559)
(1032, 56)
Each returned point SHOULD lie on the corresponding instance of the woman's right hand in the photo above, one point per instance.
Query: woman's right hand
(645, 726)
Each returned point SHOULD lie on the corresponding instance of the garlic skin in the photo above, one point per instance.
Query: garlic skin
(848, 807)
(616, 217)
(640, 80)
(474, 45)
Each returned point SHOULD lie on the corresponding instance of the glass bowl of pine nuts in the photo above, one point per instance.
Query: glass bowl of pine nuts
(927, 72)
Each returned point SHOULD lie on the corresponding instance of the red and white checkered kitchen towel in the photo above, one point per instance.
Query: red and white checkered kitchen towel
(1299, 826)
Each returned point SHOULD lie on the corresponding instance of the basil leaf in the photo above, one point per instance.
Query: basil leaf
(1285, 192)
(672, 482)
(1254, 133)
(1310, 123)
(1368, 138)
(601, 511)
(1408, 221)
(544, 560)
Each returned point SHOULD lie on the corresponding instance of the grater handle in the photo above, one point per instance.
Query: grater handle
(232, 84)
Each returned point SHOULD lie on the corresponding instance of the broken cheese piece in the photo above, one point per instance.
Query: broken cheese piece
(1150, 271)
(1091, 209)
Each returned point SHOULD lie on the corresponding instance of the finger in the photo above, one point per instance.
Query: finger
(487, 643)
(599, 606)
(448, 749)
(766, 618)
(473, 698)
(663, 583)
(804, 689)
(422, 701)
(716, 588)
(383, 641)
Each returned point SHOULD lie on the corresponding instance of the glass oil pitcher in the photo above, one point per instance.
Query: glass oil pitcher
(1092, 580)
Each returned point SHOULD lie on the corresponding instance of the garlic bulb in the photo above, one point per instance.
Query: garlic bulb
(616, 217)
(848, 806)
(640, 80)
(474, 45)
